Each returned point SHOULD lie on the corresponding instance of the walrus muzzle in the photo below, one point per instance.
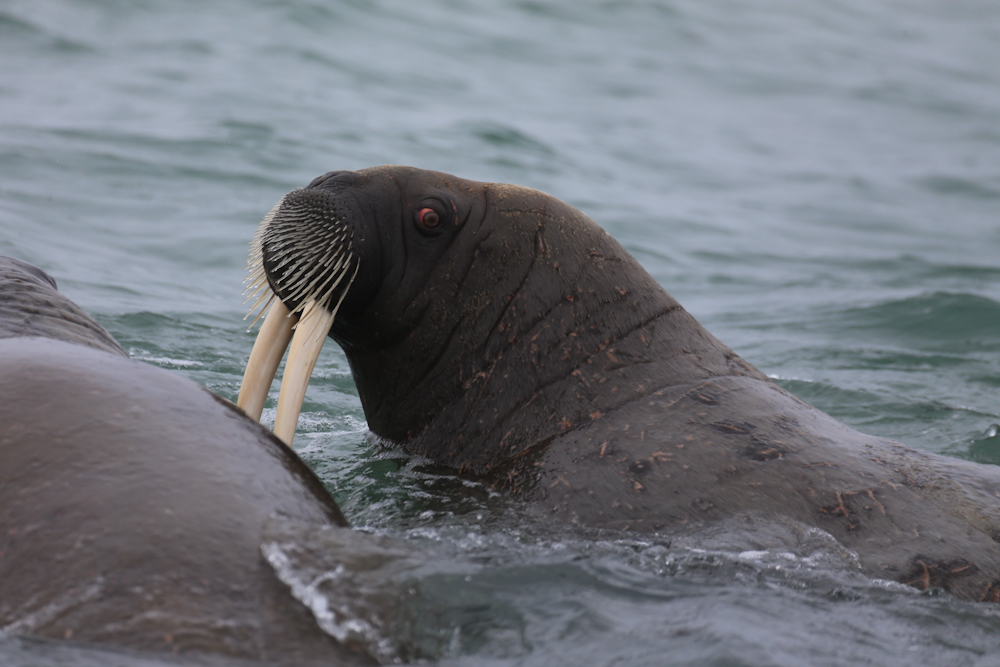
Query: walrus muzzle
(301, 266)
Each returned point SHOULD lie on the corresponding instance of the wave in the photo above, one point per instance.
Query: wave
(947, 321)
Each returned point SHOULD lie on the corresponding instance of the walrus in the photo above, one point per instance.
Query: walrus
(132, 501)
(502, 333)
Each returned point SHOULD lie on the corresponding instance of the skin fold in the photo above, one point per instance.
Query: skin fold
(509, 337)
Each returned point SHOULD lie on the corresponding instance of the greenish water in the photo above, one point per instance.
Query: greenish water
(818, 183)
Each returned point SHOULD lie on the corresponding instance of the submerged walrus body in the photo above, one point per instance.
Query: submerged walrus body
(132, 501)
(501, 332)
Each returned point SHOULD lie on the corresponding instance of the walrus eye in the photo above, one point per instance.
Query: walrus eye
(428, 218)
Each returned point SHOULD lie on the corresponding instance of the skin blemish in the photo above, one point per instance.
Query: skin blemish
(871, 494)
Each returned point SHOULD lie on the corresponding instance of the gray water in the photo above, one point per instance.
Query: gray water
(818, 183)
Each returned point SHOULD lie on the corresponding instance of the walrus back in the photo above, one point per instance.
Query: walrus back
(731, 447)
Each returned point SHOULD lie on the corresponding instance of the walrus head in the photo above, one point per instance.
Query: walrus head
(479, 319)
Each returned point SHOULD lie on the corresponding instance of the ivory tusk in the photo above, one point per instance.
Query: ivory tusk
(265, 356)
(310, 333)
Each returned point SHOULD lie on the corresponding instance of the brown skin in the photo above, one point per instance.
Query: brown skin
(518, 342)
(132, 501)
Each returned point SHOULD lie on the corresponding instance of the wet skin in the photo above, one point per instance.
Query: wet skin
(514, 340)
(132, 501)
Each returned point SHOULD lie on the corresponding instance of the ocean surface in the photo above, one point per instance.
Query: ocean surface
(817, 182)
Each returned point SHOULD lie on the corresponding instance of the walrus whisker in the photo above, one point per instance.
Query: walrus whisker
(260, 296)
(263, 310)
(306, 281)
(255, 259)
(326, 297)
(313, 289)
(254, 289)
(310, 288)
(263, 294)
(343, 293)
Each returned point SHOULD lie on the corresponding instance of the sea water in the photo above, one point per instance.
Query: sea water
(817, 183)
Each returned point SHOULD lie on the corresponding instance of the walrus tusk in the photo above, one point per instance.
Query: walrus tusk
(310, 333)
(265, 356)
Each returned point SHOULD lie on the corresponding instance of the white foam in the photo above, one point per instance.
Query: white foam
(142, 355)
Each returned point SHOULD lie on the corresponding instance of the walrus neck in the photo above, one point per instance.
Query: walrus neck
(542, 342)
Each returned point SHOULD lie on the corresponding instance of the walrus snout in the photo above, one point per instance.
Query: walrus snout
(303, 262)
(305, 248)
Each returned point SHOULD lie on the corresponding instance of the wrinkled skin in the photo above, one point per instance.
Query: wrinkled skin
(132, 501)
(518, 342)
